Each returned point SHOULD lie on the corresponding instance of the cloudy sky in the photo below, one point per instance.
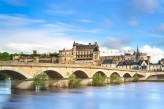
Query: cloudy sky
(49, 25)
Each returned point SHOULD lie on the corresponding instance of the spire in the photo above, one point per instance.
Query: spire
(74, 43)
(137, 55)
(137, 49)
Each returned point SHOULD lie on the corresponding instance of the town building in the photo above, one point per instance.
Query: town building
(109, 63)
(161, 61)
(136, 61)
(35, 60)
(132, 65)
(80, 54)
(156, 67)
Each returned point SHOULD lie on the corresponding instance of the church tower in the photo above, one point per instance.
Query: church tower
(137, 55)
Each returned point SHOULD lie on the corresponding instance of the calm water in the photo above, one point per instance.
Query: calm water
(146, 95)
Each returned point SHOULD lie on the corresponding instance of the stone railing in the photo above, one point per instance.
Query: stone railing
(31, 64)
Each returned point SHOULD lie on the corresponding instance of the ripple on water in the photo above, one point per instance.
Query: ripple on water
(146, 95)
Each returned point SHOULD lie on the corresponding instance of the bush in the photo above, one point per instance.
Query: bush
(115, 79)
(135, 78)
(73, 82)
(41, 80)
(98, 80)
(4, 76)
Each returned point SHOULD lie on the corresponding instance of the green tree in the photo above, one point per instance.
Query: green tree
(135, 78)
(115, 78)
(73, 81)
(4, 76)
(41, 80)
(4, 56)
(98, 80)
(34, 52)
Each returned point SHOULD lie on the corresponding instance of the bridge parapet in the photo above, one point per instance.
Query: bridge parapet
(10, 63)
(62, 65)
(28, 70)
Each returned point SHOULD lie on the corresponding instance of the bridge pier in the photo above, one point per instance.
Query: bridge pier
(59, 83)
(130, 79)
(21, 84)
(64, 83)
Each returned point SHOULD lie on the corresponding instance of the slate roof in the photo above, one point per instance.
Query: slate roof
(90, 46)
(130, 62)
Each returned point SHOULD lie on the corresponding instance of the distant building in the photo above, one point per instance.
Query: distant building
(141, 65)
(161, 61)
(40, 58)
(36, 60)
(156, 67)
(137, 61)
(80, 54)
(109, 63)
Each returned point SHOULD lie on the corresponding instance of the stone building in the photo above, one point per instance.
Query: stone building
(135, 57)
(35, 59)
(156, 67)
(109, 63)
(161, 61)
(137, 60)
(80, 54)
(132, 65)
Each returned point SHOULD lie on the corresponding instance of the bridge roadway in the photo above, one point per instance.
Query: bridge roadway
(60, 71)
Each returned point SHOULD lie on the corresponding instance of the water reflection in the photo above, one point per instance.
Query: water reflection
(5, 87)
(125, 96)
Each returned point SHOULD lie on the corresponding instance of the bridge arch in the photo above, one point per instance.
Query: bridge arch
(115, 73)
(127, 75)
(53, 74)
(156, 77)
(80, 74)
(101, 73)
(139, 75)
(14, 74)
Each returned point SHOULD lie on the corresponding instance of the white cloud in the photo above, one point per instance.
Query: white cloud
(60, 9)
(116, 43)
(59, 26)
(146, 5)
(160, 29)
(28, 40)
(17, 20)
(45, 37)
(155, 53)
(133, 23)
(107, 22)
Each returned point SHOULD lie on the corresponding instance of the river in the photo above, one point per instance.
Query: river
(141, 95)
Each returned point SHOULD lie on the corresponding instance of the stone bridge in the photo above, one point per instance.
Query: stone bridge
(59, 71)
(26, 71)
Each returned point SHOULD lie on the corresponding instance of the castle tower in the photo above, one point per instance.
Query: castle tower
(74, 52)
(96, 54)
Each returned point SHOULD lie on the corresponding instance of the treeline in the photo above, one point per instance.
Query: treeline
(5, 56)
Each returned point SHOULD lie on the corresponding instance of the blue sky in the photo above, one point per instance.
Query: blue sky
(50, 25)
